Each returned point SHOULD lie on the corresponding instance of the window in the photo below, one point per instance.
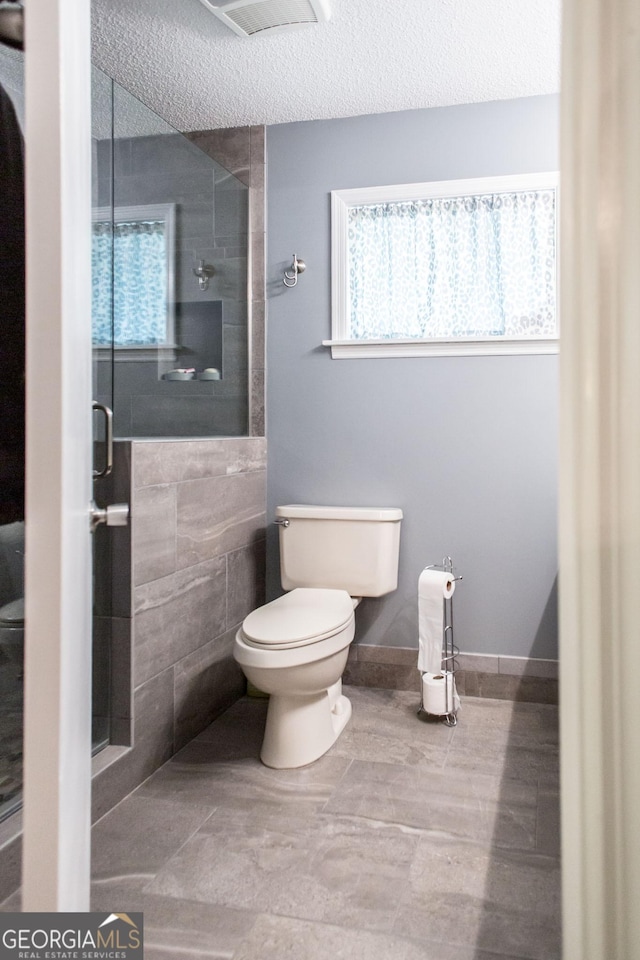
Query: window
(132, 276)
(456, 267)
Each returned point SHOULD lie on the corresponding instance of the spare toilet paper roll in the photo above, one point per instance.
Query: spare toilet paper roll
(439, 694)
(434, 586)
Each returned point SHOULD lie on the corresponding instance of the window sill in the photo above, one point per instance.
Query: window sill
(492, 346)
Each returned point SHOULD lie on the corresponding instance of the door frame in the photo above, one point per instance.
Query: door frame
(600, 479)
(57, 718)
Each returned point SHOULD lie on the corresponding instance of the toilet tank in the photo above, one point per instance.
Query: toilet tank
(341, 548)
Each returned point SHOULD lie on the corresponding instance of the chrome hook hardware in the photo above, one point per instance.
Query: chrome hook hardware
(204, 272)
(298, 266)
(282, 521)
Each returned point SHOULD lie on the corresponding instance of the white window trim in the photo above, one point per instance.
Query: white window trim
(157, 351)
(343, 347)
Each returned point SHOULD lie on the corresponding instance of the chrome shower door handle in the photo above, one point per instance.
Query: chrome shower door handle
(115, 515)
(108, 426)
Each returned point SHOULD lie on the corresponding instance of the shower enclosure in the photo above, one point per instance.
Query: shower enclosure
(170, 229)
(170, 348)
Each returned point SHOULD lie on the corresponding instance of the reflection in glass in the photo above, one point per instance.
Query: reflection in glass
(170, 349)
(12, 448)
(132, 302)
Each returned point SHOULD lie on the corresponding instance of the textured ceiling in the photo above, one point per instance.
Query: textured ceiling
(374, 56)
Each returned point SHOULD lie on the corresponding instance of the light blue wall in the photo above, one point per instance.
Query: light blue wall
(466, 446)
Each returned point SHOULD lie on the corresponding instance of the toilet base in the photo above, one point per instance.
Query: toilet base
(300, 729)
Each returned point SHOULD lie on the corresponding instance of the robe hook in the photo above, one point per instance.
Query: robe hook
(298, 266)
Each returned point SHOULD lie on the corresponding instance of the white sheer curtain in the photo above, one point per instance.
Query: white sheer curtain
(471, 266)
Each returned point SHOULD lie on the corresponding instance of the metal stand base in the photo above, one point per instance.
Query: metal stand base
(449, 719)
(449, 654)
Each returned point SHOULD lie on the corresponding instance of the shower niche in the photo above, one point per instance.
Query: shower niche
(199, 334)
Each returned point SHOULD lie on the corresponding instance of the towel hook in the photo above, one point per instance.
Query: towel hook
(298, 266)
(204, 272)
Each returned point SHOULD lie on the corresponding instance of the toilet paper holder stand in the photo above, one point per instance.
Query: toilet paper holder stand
(449, 653)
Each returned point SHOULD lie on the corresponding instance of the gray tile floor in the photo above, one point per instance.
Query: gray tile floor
(407, 840)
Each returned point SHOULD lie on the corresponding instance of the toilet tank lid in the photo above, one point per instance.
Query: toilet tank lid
(312, 512)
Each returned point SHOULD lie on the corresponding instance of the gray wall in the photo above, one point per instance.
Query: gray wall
(466, 446)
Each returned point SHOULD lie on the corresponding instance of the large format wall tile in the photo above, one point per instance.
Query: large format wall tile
(218, 515)
(242, 150)
(173, 461)
(178, 614)
(230, 146)
(245, 581)
(156, 416)
(153, 525)
(206, 683)
(257, 417)
(153, 744)
(121, 675)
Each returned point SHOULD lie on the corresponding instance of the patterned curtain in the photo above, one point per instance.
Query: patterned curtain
(139, 287)
(476, 266)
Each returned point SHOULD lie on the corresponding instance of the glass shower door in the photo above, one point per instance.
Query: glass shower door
(102, 379)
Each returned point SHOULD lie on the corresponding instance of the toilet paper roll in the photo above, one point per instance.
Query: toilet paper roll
(439, 694)
(434, 586)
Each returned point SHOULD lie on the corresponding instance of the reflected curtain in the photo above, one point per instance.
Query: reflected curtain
(137, 282)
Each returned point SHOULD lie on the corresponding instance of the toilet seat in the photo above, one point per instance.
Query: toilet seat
(301, 617)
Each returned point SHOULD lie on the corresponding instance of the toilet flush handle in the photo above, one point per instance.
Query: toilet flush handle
(282, 521)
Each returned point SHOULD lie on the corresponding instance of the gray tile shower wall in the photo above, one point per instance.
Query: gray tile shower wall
(192, 569)
(220, 221)
(241, 150)
(211, 222)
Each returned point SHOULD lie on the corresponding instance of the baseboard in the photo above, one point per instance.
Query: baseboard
(526, 679)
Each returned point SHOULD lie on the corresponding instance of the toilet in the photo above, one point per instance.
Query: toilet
(296, 647)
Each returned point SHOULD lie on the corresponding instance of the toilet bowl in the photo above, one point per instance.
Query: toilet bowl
(295, 649)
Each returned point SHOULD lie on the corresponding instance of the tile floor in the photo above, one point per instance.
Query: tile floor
(407, 841)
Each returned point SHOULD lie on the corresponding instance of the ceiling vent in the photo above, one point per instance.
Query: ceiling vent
(248, 17)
